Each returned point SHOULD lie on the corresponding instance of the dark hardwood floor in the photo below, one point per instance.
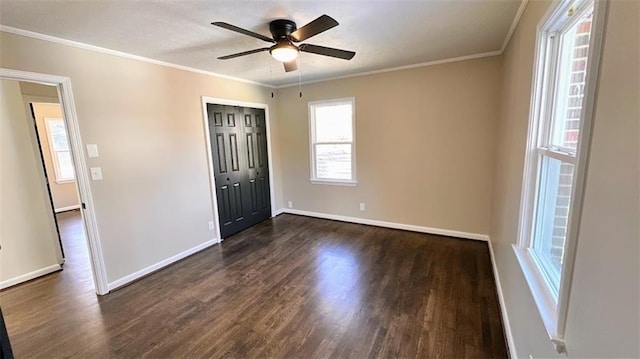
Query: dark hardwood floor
(290, 287)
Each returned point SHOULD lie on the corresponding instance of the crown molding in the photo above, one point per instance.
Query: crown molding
(399, 68)
(514, 25)
(80, 45)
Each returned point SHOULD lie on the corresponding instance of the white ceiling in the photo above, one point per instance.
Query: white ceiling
(383, 33)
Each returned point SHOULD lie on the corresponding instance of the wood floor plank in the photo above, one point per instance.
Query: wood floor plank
(290, 287)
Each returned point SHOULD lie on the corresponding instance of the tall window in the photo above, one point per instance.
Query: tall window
(332, 128)
(556, 153)
(59, 146)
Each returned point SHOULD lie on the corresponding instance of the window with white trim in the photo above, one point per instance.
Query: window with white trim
(60, 152)
(568, 49)
(332, 141)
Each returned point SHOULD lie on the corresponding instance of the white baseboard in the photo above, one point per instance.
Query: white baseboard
(29, 276)
(373, 222)
(159, 265)
(278, 212)
(68, 208)
(503, 306)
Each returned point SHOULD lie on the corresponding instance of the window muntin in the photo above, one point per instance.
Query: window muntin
(332, 141)
(60, 151)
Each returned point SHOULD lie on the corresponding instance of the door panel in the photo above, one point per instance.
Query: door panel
(262, 143)
(237, 202)
(221, 153)
(263, 184)
(224, 205)
(240, 166)
(254, 196)
(250, 151)
(231, 119)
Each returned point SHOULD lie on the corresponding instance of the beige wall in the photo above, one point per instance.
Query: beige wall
(603, 309)
(37, 90)
(27, 230)
(154, 201)
(64, 194)
(424, 146)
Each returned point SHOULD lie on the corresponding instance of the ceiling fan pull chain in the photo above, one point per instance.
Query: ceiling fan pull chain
(300, 83)
(271, 74)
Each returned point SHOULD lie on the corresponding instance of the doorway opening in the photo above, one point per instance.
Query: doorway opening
(59, 171)
(240, 169)
(76, 218)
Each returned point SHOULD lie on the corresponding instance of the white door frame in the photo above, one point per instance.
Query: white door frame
(65, 95)
(214, 200)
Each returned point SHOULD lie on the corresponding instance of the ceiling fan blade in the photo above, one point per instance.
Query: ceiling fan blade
(327, 51)
(291, 65)
(321, 24)
(227, 26)
(243, 53)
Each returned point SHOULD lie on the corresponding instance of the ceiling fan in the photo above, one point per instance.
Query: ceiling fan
(284, 34)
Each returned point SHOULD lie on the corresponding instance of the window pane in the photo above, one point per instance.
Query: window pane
(333, 123)
(550, 231)
(57, 135)
(571, 81)
(333, 161)
(65, 165)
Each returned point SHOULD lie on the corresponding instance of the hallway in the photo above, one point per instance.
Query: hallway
(77, 268)
(63, 294)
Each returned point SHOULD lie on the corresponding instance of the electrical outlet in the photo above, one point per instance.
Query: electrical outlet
(362, 206)
(211, 225)
(96, 173)
(290, 204)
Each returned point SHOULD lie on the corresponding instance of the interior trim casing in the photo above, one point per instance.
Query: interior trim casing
(67, 102)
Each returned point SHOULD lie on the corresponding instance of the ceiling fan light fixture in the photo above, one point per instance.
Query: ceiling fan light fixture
(284, 33)
(284, 52)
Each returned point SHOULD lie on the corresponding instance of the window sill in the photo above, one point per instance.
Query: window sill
(542, 296)
(333, 182)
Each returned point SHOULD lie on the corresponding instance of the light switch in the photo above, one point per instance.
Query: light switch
(96, 173)
(92, 150)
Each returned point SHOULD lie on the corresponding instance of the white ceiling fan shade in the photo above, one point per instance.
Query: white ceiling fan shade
(284, 52)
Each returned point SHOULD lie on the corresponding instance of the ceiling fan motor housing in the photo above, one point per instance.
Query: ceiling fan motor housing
(281, 29)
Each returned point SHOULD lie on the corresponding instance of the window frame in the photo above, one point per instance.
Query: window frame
(54, 157)
(312, 142)
(552, 305)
